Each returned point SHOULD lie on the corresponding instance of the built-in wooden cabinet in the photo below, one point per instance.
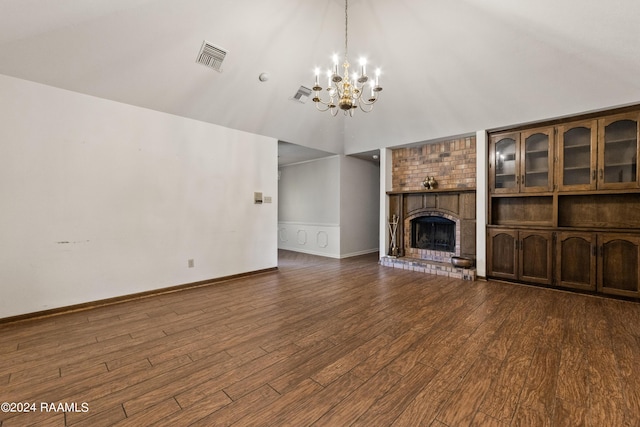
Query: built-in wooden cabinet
(564, 204)
(521, 255)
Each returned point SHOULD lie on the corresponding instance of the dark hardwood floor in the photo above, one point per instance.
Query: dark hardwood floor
(328, 342)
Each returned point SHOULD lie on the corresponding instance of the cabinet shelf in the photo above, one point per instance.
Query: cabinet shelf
(621, 141)
(616, 165)
(577, 168)
(610, 211)
(537, 172)
(530, 210)
(585, 147)
(537, 152)
(508, 157)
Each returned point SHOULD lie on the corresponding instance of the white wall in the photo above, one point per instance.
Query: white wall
(385, 184)
(309, 207)
(102, 199)
(329, 207)
(482, 197)
(359, 206)
(310, 191)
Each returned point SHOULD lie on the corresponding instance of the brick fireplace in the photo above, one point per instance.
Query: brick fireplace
(435, 224)
(432, 235)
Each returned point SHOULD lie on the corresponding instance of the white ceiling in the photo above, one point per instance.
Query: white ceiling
(449, 67)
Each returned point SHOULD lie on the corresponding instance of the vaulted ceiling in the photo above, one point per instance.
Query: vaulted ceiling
(449, 67)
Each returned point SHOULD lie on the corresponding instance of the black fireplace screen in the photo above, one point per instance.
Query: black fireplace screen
(433, 233)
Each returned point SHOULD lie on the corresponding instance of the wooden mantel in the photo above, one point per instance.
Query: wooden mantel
(437, 190)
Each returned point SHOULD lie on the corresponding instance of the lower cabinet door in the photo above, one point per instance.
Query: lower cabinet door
(503, 256)
(576, 260)
(618, 262)
(535, 264)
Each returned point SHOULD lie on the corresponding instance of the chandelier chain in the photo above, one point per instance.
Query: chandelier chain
(346, 26)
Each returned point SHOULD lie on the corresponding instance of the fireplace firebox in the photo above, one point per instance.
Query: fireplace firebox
(433, 233)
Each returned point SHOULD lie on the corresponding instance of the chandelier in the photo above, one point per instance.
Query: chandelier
(347, 93)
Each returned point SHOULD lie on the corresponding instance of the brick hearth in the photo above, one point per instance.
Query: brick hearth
(430, 267)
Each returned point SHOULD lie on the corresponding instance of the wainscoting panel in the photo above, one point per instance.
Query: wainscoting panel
(315, 239)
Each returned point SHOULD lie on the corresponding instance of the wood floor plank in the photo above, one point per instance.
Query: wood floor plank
(389, 407)
(323, 342)
(385, 355)
(538, 394)
(569, 414)
(150, 415)
(198, 411)
(106, 418)
(466, 399)
(170, 383)
(343, 364)
(294, 375)
(292, 401)
(357, 403)
(422, 410)
(573, 375)
(275, 370)
(484, 420)
(309, 409)
(228, 414)
(501, 400)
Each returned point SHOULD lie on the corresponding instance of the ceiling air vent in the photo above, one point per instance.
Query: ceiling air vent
(211, 56)
(302, 95)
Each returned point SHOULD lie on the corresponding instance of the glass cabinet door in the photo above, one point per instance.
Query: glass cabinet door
(618, 152)
(577, 156)
(537, 165)
(505, 156)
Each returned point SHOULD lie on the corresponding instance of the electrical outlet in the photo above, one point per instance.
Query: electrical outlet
(190, 263)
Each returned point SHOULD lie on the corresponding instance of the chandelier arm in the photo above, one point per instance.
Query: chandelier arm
(366, 110)
(328, 105)
(331, 100)
(369, 101)
(338, 91)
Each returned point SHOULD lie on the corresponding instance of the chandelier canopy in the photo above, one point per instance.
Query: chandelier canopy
(347, 93)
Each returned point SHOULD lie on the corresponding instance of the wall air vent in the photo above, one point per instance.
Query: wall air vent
(302, 95)
(211, 56)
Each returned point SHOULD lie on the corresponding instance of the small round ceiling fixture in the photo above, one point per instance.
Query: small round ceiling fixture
(263, 77)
